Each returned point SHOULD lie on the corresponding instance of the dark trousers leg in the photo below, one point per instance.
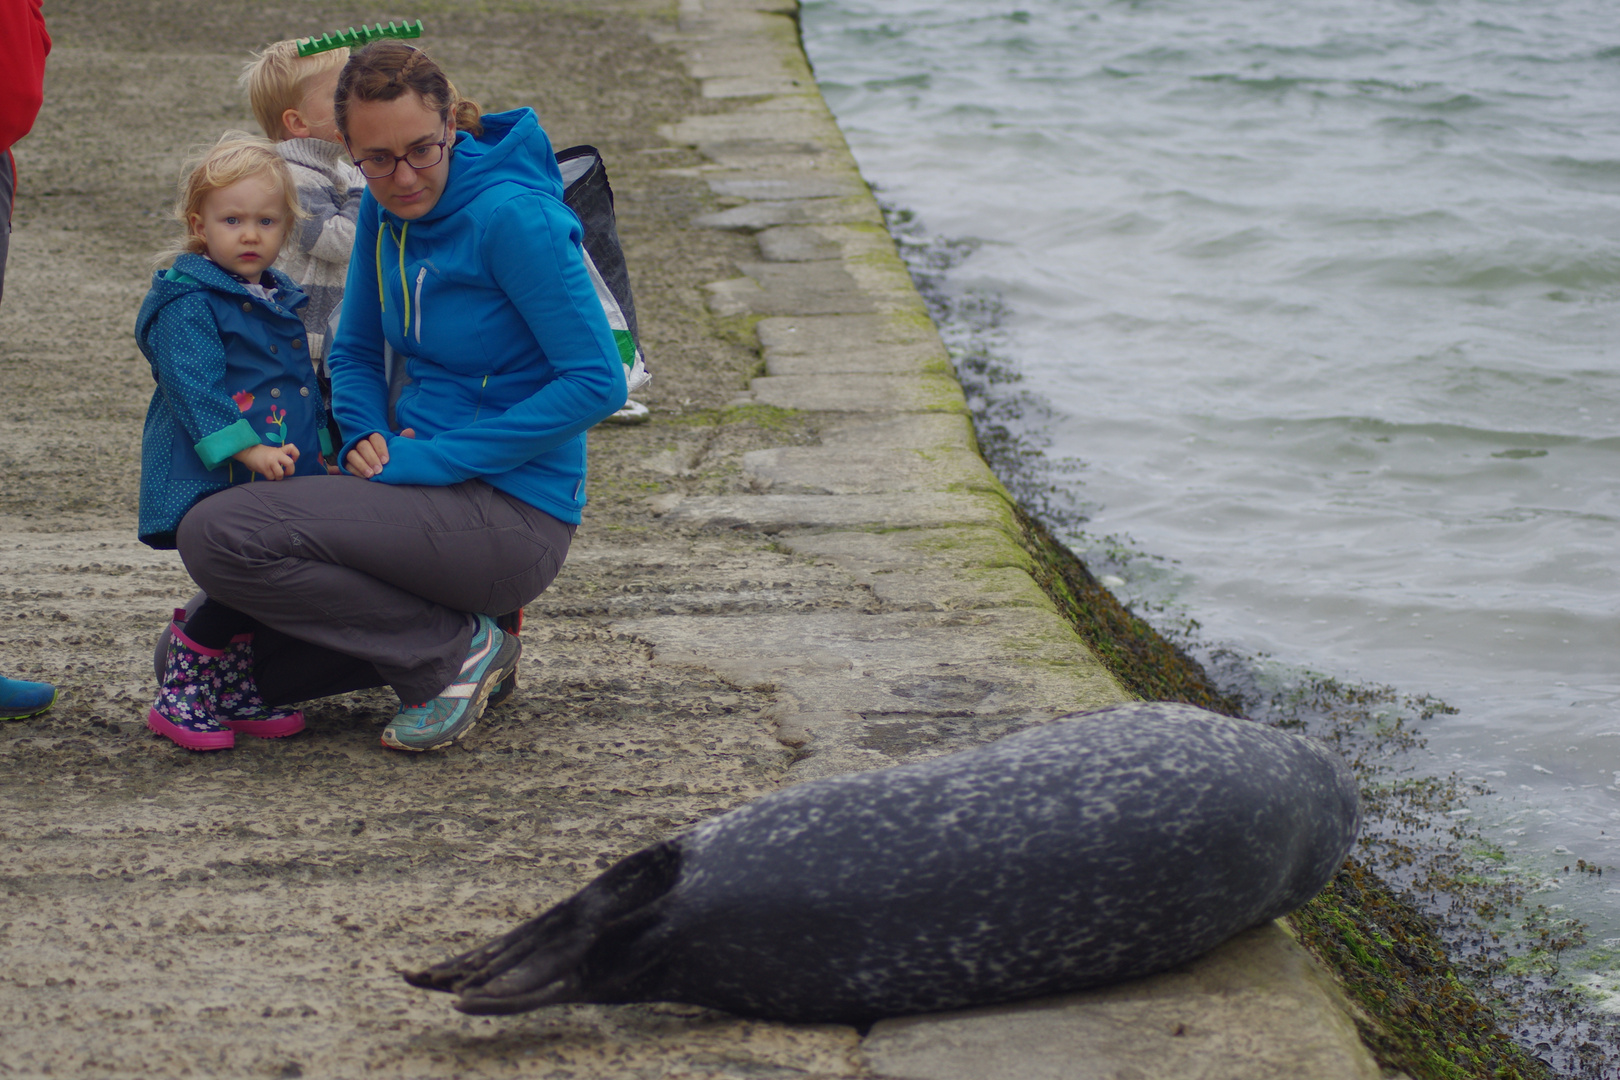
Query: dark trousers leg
(8, 191)
(288, 671)
(380, 574)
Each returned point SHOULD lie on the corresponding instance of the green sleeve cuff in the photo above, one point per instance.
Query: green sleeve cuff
(218, 447)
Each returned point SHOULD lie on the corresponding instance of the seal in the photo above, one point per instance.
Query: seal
(1099, 847)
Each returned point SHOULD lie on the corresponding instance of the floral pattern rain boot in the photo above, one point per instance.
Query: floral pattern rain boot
(239, 705)
(184, 710)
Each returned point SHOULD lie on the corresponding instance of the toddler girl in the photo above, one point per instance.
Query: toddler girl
(236, 402)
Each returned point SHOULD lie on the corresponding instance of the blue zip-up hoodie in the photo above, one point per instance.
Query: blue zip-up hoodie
(233, 371)
(487, 300)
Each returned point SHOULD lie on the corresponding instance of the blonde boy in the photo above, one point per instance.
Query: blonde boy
(292, 100)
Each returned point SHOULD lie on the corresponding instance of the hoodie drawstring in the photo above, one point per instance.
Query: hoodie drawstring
(382, 300)
(404, 285)
(404, 288)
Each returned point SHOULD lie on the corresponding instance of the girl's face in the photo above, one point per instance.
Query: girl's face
(243, 226)
(389, 138)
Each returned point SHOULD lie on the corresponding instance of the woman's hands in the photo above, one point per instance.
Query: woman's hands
(270, 462)
(370, 454)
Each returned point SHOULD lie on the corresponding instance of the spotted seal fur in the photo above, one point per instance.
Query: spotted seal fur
(1101, 847)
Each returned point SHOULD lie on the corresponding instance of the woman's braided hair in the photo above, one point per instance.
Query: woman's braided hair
(385, 70)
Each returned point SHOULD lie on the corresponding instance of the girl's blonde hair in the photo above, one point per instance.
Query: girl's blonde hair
(235, 157)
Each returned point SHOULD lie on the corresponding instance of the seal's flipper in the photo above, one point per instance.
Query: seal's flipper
(552, 958)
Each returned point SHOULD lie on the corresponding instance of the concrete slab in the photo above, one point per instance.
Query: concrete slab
(796, 119)
(763, 215)
(733, 58)
(851, 242)
(939, 550)
(787, 186)
(904, 569)
(813, 288)
(732, 65)
(903, 431)
(774, 513)
(1257, 1008)
(844, 344)
(777, 155)
(796, 243)
(872, 690)
(844, 470)
(927, 570)
(752, 86)
(868, 277)
(861, 393)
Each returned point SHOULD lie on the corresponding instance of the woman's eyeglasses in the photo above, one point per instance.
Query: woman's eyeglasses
(381, 166)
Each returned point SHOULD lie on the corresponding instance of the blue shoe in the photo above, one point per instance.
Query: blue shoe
(491, 657)
(19, 700)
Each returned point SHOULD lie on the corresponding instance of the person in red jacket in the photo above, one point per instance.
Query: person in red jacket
(23, 45)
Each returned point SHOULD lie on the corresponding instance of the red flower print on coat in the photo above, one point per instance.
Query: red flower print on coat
(277, 417)
(243, 399)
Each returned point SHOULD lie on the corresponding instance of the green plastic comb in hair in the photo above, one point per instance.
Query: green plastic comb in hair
(354, 39)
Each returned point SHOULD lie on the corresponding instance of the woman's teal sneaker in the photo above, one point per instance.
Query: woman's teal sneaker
(491, 657)
(19, 700)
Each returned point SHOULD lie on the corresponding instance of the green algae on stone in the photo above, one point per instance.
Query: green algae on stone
(1144, 662)
(769, 417)
(1413, 1011)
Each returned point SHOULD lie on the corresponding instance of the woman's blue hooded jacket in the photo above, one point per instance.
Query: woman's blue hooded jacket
(487, 300)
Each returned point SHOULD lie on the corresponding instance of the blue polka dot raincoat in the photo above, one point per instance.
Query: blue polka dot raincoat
(232, 370)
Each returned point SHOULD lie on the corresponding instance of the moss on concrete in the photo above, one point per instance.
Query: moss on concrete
(1133, 652)
(738, 329)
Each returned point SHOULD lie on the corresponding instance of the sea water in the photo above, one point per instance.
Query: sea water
(1323, 294)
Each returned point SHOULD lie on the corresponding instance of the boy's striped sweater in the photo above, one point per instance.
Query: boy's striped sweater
(316, 254)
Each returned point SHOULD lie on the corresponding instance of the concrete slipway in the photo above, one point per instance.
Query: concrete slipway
(800, 566)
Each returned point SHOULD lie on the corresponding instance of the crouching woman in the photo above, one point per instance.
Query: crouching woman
(463, 485)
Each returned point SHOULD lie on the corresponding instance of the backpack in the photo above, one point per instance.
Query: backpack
(586, 191)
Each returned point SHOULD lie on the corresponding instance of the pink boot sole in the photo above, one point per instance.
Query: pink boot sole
(192, 740)
(268, 729)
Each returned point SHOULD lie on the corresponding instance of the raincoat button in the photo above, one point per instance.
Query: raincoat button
(298, 343)
(247, 305)
(274, 350)
(275, 391)
(303, 391)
